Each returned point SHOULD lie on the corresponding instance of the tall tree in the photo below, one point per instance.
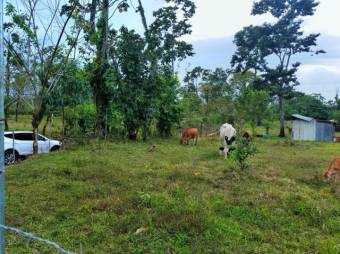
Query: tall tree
(269, 49)
(73, 90)
(98, 42)
(193, 79)
(50, 42)
(168, 109)
(135, 93)
(165, 46)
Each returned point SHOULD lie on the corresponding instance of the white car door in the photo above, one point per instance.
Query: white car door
(24, 143)
(43, 144)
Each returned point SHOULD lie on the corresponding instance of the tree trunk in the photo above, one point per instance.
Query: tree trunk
(142, 14)
(6, 109)
(35, 139)
(6, 124)
(93, 11)
(37, 116)
(46, 123)
(282, 118)
(98, 74)
(101, 106)
(63, 121)
(145, 132)
(16, 111)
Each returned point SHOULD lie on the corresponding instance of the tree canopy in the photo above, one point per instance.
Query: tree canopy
(269, 49)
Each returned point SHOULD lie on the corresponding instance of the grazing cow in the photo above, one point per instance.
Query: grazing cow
(333, 170)
(189, 133)
(227, 137)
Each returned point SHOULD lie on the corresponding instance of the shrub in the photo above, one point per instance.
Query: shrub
(81, 117)
(243, 150)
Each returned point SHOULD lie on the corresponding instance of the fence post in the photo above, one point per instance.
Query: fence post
(2, 122)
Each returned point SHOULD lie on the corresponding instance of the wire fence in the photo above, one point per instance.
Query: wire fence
(33, 237)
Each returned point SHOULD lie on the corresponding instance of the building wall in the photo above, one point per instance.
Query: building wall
(324, 131)
(304, 131)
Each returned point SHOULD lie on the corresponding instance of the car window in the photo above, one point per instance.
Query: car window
(24, 136)
(41, 138)
(9, 135)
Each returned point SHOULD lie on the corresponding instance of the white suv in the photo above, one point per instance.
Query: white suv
(20, 143)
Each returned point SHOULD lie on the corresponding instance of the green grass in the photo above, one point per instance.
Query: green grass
(189, 198)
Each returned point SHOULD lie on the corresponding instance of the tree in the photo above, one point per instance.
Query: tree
(165, 46)
(193, 79)
(169, 109)
(99, 38)
(135, 92)
(50, 42)
(72, 90)
(309, 105)
(215, 84)
(15, 76)
(269, 49)
(253, 106)
(244, 149)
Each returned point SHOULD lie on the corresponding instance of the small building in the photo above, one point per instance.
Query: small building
(309, 129)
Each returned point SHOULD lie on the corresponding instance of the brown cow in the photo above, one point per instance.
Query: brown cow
(333, 170)
(189, 133)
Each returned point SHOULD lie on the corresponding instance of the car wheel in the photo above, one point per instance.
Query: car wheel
(10, 157)
(54, 148)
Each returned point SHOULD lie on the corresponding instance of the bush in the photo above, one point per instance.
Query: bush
(243, 150)
(81, 117)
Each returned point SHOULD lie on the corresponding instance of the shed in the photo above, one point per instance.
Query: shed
(306, 128)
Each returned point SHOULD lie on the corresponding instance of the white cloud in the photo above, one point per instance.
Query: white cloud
(322, 78)
(329, 66)
(326, 19)
(222, 18)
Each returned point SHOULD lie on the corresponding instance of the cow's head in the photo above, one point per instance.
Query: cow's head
(183, 141)
(329, 174)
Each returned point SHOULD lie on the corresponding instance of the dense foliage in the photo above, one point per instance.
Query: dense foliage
(128, 79)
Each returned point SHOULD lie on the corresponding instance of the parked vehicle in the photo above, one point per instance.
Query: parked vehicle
(20, 144)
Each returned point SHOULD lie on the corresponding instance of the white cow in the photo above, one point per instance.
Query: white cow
(227, 137)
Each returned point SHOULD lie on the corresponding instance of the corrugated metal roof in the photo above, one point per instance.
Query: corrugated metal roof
(303, 118)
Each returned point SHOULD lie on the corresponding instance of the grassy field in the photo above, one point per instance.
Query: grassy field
(24, 124)
(187, 199)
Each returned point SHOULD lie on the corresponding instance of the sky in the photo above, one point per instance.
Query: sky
(216, 22)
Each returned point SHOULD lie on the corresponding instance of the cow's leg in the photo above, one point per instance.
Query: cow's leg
(226, 152)
(222, 145)
(196, 141)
